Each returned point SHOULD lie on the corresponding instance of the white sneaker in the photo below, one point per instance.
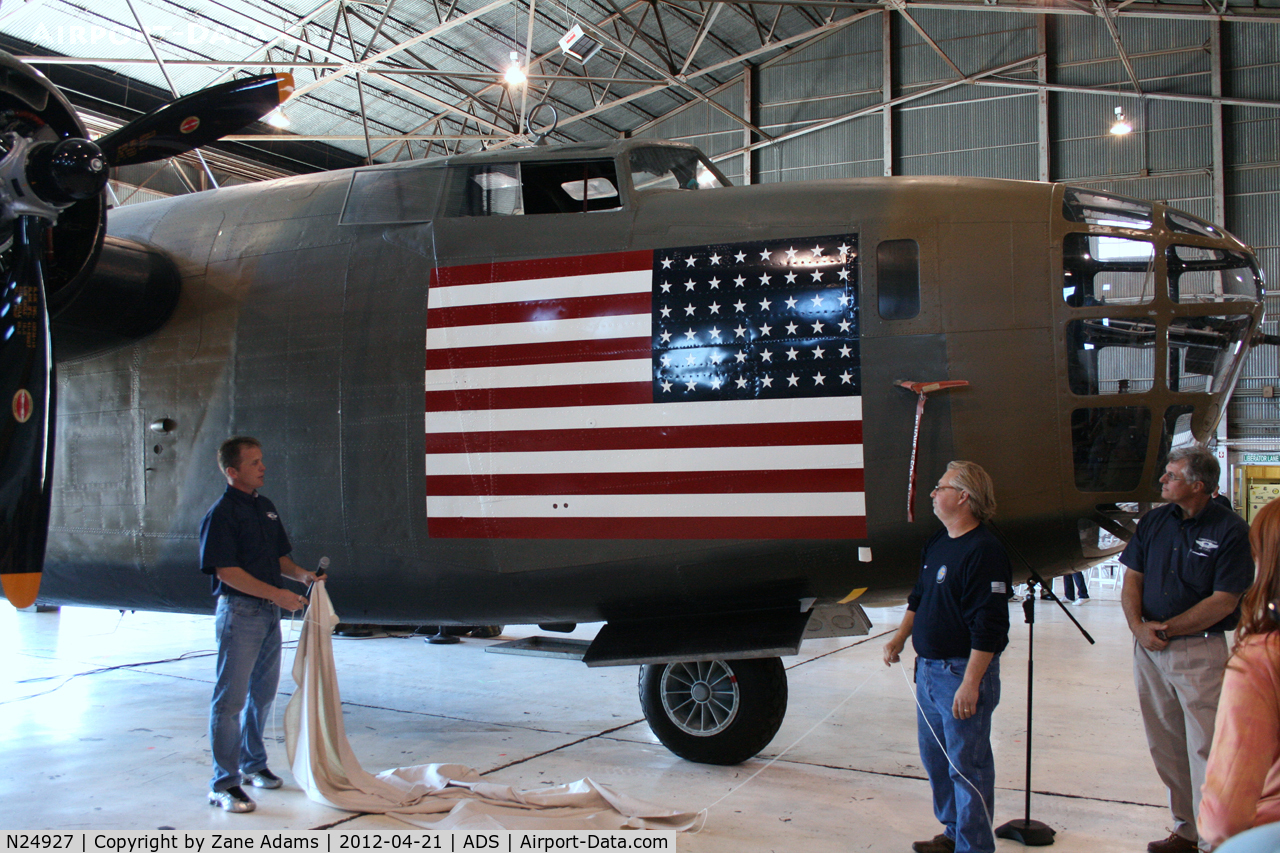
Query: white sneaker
(1080, 601)
(232, 800)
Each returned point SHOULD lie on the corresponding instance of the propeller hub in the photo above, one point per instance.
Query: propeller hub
(67, 171)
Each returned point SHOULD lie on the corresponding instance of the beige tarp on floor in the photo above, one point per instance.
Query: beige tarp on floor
(438, 796)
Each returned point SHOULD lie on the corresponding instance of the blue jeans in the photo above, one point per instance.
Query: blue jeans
(1260, 839)
(248, 631)
(967, 743)
(1073, 585)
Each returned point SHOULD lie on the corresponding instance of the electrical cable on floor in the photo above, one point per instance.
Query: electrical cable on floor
(704, 812)
(986, 810)
(68, 678)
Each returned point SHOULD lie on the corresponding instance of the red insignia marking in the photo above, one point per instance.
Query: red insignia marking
(189, 124)
(23, 406)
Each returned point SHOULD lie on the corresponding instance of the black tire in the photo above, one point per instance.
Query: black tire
(715, 712)
(486, 632)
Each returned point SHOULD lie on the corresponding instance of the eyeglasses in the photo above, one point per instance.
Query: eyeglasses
(940, 487)
(1173, 478)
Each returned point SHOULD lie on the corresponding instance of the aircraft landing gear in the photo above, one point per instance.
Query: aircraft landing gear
(715, 712)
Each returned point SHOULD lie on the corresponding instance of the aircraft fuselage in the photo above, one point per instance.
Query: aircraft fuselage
(318, 313)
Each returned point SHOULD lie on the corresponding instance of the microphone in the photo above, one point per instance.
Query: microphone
(324, 564)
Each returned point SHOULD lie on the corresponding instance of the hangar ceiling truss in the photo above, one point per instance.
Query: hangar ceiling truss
(398, 79)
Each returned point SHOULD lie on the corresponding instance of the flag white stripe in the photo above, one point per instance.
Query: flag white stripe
(725, 412)
(538, 289)
(676, 459)
(541, 332)
(527, 375)
(772, 505)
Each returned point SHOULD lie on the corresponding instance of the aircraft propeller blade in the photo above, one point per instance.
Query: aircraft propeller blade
(26, 436)
(196, 119)
(39, 181)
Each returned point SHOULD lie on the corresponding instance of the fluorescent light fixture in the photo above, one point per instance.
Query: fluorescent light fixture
(1122, 125)
(515, 74)
(577, 44)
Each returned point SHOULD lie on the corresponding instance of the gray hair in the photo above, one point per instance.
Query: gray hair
(1202, 466)
(976, 483)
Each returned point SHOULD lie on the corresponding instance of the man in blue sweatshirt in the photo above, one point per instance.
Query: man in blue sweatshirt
(958, 620)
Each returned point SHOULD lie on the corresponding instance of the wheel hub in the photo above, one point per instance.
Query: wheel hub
(701, 698)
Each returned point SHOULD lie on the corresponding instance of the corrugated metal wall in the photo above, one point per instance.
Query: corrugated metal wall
(994, 131)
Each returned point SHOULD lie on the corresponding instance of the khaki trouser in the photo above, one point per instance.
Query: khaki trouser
(1178, 692)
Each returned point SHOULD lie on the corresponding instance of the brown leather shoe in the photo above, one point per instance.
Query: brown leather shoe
(1175, 843)
(938, 844)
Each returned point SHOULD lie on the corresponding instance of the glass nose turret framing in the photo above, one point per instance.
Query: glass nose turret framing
(1156, 311)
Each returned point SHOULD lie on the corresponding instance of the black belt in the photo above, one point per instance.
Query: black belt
(1189, 636)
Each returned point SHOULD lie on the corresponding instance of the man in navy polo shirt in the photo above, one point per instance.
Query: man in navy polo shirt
(243, 547)
(958, 620)
(1186, 568)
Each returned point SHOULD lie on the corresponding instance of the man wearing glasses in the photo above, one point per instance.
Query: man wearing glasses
(958, 620)
(1186, 568)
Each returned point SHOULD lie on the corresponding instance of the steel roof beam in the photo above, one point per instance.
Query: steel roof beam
(1112, 93)
(705, 27)
(1108, 18)
(432, 33)
(681, 83)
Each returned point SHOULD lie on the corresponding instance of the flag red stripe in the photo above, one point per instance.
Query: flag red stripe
(541, 310)
(648, 438)
(541, 268)
(652, 483)
(602, 394)
(649, 528)
(560, 352)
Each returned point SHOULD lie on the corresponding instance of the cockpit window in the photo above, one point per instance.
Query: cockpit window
(532, 188)
(667, 168)
(388, 196)
(1203, 351)
(489, 190)
(573, 186)
(1109, 447)
(1187, 224)
(1102, 270)
(1094, 208)
(1111, 355)
(1199, 274)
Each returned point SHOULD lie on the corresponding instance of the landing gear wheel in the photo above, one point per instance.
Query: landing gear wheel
(715, 712)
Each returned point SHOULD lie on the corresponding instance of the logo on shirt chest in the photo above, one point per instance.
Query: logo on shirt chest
(273, 516)
(1204, 547)
(942, 575)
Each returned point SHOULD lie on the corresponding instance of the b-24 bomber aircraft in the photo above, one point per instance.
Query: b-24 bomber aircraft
(591, 383)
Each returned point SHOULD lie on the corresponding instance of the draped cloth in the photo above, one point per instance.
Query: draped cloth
(436, 796)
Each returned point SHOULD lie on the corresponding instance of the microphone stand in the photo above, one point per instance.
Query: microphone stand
(1028, 832)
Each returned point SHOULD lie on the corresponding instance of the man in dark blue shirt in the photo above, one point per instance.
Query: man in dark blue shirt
(244, 549)
(958, 620)
(1186, 568)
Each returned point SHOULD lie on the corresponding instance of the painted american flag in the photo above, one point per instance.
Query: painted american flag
(707, 392)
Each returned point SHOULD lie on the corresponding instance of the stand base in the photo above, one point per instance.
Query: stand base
(443, 639)
(1030, 833)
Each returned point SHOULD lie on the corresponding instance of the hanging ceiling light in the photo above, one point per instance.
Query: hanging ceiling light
(1122, 125)
(515, 74)
(276, 118)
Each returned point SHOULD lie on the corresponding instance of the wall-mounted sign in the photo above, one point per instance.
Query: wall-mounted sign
(1260, 458)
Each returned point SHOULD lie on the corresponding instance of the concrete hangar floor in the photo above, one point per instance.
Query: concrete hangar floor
(125, 746)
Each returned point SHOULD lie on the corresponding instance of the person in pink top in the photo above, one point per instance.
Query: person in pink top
(1242, 780)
